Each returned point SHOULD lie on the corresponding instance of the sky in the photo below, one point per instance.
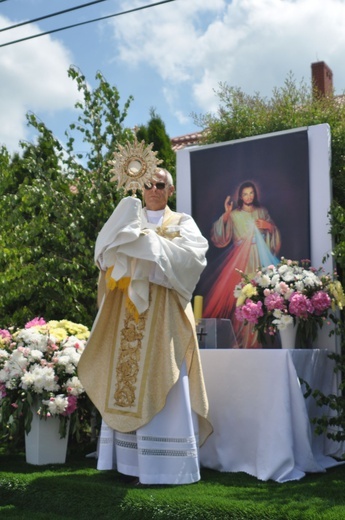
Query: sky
(171, 57)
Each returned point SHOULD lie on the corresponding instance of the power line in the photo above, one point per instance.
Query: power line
(50, 15)
(86, 22)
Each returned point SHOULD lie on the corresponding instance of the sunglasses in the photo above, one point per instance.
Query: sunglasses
(159, 186)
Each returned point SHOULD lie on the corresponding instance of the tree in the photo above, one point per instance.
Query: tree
(52, 208)
(291, 106)
(154, 132)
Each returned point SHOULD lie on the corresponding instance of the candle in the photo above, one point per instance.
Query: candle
(198, 301)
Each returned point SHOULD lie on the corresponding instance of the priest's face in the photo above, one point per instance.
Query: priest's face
(156, 198)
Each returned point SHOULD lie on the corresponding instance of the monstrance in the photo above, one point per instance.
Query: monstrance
(134, 165)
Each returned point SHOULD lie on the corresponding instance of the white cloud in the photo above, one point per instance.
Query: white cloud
(172, 57)
(33, 77)
(252, 44)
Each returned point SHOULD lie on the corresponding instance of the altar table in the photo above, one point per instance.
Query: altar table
(260, 417)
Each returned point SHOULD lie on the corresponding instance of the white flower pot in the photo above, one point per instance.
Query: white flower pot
(43, 444)
(288, 336)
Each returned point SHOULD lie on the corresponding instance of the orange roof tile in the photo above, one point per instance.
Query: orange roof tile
(182, 141)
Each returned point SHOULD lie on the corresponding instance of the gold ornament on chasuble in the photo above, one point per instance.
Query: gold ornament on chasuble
(129, 366)
(138, 360)
(128, 363)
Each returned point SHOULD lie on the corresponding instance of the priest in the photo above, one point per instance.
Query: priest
(141, 366)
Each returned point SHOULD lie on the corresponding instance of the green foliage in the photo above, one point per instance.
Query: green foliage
(52, 208)
(291, 106)
(53, 203)
(332, 421)
(154, 132)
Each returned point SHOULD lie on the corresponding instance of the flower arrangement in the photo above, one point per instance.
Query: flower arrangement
(38, 371)
(279, 295)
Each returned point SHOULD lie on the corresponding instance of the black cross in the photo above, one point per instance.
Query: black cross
(201, 333)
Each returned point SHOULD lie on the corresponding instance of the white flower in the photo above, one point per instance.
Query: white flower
(56, 405)
(283, 321)
(69, 368)
(13, 367)
(72, 354)
(282, 269)
(311, 280)
(32, 339)
(35, 355)
(44, 362)
(265, 281)
(28, 380)
(62, 359)
(71, 341)
(3, 375)
(18, 358)
(74, 386)
(299, 286)
(40, 378)
(275, 280)
(238, 290)
(289, 276)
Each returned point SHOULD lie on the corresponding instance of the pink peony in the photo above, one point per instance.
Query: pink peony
(274, 301)
(5, 334)
(250, 312)
(284, 288)
(35, 322)
(300, 305)
(321, 302)
(72, 405)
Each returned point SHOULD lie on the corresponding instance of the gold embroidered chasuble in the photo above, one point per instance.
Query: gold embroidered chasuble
(132, 360)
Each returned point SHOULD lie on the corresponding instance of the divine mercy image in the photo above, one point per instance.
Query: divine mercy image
(255, 241)
(257, 213)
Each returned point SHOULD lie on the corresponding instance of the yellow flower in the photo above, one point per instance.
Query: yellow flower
(247, 291)
(337, 293)
(75, 329)
(64, 328)
(59, 333)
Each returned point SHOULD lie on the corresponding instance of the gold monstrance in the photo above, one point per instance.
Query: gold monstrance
(134, 165)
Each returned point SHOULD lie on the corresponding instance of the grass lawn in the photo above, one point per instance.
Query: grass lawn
(76, 490)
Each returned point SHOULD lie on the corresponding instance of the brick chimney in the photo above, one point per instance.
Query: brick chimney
(322, 78)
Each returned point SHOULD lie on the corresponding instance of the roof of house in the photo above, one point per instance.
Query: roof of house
(182, 141)
(322, 78)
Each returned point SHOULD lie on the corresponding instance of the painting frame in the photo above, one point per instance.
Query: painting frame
(319, 194)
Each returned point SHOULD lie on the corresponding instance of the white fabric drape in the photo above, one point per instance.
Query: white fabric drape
(259, 414)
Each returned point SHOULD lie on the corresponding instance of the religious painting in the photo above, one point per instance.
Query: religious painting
(252, 200)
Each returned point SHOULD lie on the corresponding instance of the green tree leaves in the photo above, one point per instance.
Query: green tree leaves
(291, 106)
(52, 208)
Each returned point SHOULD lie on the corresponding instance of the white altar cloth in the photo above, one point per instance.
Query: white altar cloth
(259, 415)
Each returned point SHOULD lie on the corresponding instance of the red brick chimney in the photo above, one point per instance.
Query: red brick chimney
(322, 78)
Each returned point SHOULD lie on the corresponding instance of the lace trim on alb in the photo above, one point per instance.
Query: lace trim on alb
(126, 444)
(168, 453)
(180, 440)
